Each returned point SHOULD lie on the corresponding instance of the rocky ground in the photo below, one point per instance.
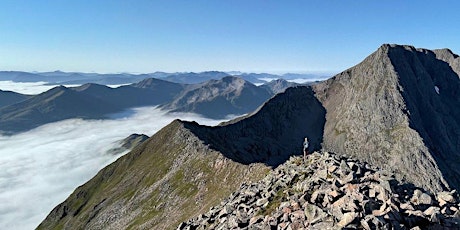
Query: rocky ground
(325, 191)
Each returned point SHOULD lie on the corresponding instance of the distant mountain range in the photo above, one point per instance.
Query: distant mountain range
(219, 98)
(213, 99)
(76, 78)
(398, 109)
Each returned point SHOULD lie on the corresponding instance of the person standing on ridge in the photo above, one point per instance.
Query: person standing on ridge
(305, 148)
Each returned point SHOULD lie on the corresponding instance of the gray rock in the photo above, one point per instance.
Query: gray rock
(314, 214)
(421, 198)
(347, 219)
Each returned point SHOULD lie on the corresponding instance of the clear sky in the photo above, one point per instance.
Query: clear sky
(198, 35)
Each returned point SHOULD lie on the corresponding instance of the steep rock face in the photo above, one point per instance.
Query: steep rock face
(386, 111)
(167, 179)
(272, 133)
(219, 98)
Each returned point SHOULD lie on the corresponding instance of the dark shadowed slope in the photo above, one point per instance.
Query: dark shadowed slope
(387, 112)
(10, 97)
(219, 98)
(271, 134)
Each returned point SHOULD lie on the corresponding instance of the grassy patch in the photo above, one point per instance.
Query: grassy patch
(273, 204)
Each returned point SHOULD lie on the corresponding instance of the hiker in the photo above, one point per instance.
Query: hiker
(305, 148)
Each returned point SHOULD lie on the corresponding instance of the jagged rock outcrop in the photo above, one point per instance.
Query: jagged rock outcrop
(167, 179)
(325, 191)
(399, 109)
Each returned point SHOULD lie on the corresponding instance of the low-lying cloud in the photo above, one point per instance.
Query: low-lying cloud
(40, 168)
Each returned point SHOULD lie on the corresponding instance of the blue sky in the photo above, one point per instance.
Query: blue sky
(199, 35)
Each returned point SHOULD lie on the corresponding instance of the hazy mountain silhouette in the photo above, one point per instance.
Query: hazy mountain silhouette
(219, 98)
(56, 104)
(278, 86)
(10, 97)
(213, 99)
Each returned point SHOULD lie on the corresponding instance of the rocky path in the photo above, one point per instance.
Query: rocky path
(326, 191)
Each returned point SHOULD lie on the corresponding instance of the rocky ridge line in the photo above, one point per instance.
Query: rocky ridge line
(326, 191)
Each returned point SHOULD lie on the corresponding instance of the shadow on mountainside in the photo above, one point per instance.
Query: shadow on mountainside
(271, 134)
(433, 103)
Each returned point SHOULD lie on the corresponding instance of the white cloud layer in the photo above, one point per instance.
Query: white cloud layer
(41, 167)
(32, 88)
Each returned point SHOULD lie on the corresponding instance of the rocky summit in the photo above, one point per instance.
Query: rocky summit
(398, 109)
(326, 191)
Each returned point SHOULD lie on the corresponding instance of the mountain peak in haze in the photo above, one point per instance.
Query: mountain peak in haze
(219, 98)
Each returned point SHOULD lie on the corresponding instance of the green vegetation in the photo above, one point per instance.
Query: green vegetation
(273, 204)
(159, 184)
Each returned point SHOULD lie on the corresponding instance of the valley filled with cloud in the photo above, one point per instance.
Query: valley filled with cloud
(41, 167)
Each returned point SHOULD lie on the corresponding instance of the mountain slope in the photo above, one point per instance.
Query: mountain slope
(10, 97)
(324, 191)
(278, 86)
(386, 111)
(271, 134)
(219, 98)
(452, 59)
(147, 92)
(185, 168)
(56, 104)
(166, 180)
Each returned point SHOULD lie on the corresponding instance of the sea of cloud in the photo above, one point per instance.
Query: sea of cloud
(32, 88)
(40, 168)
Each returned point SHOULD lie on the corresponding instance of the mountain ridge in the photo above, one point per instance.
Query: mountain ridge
(393, 110)
(376, 101)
